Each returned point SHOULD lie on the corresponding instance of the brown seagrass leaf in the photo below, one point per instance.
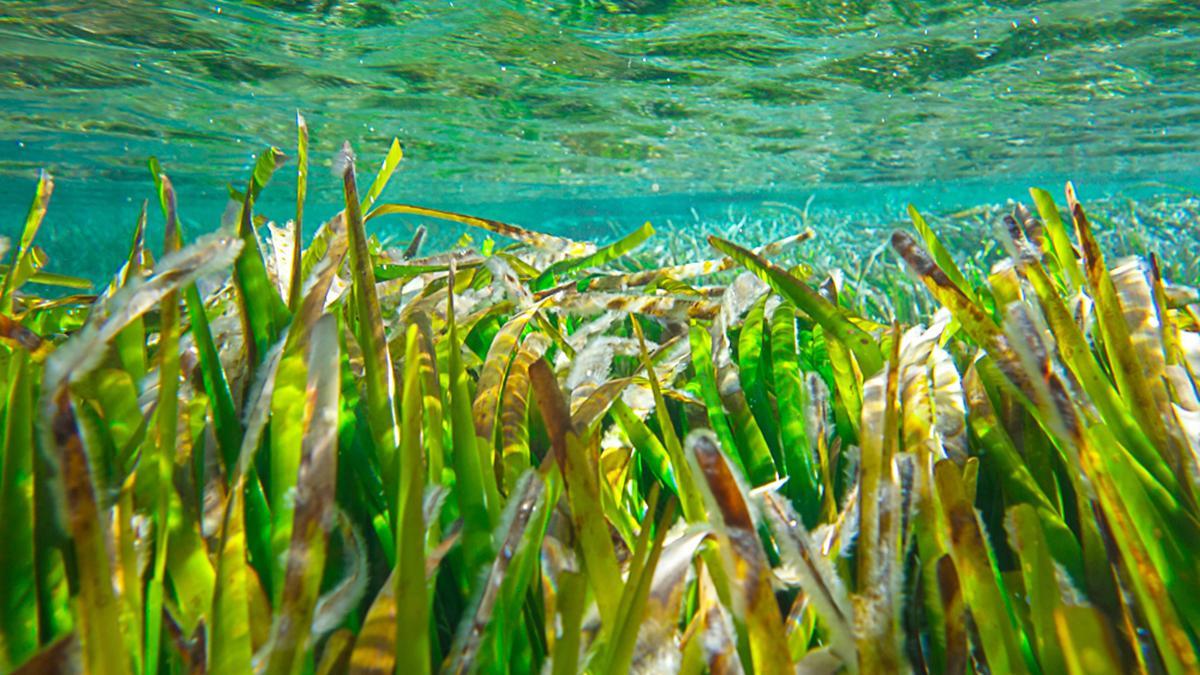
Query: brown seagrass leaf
(546, 242)
(61, 657)
(745, 563)
(816, 573)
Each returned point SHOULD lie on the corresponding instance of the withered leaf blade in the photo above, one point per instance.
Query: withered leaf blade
(743, 558)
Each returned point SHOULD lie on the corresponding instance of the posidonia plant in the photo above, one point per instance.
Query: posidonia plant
(505, 458)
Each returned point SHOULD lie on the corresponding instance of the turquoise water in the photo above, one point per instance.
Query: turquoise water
(591, 115)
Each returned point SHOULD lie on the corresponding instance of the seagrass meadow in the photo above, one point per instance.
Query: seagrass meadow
(529, 454)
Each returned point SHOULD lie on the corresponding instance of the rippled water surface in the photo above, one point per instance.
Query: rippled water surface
(507, 102)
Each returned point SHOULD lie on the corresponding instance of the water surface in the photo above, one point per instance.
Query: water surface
(549, 112)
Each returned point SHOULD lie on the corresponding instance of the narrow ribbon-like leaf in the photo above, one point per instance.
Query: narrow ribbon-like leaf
(834, 319)
(742, 555)
(412, 611)
(599, 257)
(297, 274)
(314, 504)
(22, 268)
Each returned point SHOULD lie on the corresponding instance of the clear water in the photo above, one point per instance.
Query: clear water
(567, 114)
